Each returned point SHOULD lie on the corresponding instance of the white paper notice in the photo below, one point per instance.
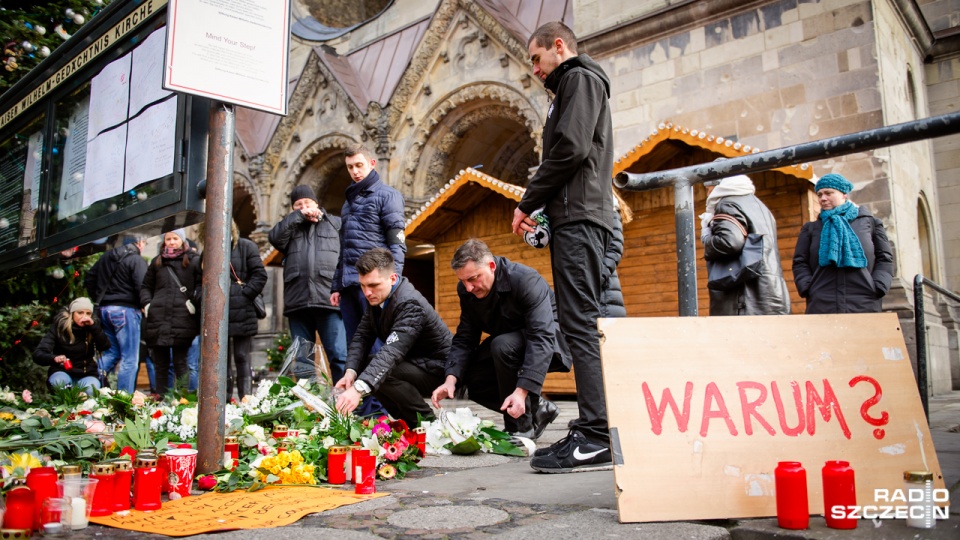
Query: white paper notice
(151, 139)
(109, 96)
(146, 77)
(74, 160)
(230, 50)
(34, 169)
(103, 174)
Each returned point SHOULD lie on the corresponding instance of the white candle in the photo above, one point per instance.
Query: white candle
(79, 511)
(349, 467)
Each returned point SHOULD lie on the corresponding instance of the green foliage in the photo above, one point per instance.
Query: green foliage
(278, 351)
(136, 434)
(67, 442)
(32, 30)
(18, 337)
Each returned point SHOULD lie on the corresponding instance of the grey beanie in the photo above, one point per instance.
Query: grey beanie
(81, 303)
(302, 192)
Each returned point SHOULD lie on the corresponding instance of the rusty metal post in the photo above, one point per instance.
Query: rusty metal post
(216, 290)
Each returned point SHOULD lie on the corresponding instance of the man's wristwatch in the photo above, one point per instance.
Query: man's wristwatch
(361, 387)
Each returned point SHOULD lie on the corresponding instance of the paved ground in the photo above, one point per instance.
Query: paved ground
(485, 496)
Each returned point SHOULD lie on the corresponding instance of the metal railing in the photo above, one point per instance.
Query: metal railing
(921, 329)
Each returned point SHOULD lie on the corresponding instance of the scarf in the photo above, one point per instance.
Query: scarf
(728, 187)
(839, 245)
(355, 188)
(170, 253)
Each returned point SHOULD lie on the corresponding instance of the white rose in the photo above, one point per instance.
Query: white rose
(188, 417)
(256, 432)
(328, 442)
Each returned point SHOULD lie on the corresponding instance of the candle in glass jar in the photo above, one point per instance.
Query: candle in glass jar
(279, 431)
(71, 472)
(336, 464)
(121, 485)
(357, 455)
(43, 482)
(78, 513)
(102, 504)
(231, 453)
(146, 484)
(366, 472)
(20, 511)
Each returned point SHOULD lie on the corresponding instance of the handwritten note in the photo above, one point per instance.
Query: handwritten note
(146, 77)
(74, 161)
(103, 171)
(109, 96)
(151, 140)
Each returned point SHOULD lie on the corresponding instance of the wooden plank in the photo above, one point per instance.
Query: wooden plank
(698, 427)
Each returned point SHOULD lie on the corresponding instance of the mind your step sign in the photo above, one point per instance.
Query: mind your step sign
(701, 409)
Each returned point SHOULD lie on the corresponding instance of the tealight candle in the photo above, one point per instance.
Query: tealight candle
(78, 509)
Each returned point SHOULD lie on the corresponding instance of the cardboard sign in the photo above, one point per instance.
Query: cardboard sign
(701, 409)
(269, 507)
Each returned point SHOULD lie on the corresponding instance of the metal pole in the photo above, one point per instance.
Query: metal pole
(216, 290)
(686, 247)
(921, 330)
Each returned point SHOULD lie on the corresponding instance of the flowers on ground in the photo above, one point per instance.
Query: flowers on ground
(287, 467)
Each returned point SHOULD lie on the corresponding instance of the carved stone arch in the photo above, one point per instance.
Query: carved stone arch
(247, 198)
(320, 166)
(453, 117)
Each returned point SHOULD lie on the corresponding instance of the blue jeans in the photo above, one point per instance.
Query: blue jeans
(62, 378)
(193, 364)
(122, 326)
(305, 323)
(352, 305)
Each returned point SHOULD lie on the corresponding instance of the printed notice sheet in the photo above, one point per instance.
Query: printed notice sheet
(74, 160)
(103, 173)
(151, 139)
(146, 78)
(109, 96)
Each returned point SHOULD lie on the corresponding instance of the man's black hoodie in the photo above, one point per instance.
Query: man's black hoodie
(575, 177)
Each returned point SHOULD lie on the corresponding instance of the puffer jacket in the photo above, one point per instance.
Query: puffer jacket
(117, 275)
(87, 342)
(575, 177)
(766, 295)
(168, 322)
(248, 268)
(829, 289)
(410, 330)
(311, 251)
(611, 295)
(372, 217)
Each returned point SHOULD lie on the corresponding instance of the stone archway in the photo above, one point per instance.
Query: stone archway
(246, 204)
(485, 124)
(321, 167)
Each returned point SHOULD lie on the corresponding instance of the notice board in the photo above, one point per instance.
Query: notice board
(701, 409)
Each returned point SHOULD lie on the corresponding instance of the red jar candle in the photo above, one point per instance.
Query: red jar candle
(146, 484)
(164, 471)
(103, 496)
(279, 431)
(337, 464)
(121, 485)
(839, 489)
(20, 509)
(231, 453)
(43, 482)
(357, 456)
(365, 474)
(421, 440)
(793, 511)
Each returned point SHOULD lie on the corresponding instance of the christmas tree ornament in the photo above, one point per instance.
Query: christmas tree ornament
(40, 29)
(27, 46)
(69, 12)
(78, 18)
(44, 51)
(58, 29)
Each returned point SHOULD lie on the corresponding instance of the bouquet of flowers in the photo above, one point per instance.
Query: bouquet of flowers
(460, 432)
(395, 446)
(286, 467)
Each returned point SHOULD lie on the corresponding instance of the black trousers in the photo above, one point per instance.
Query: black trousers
(491, 376)
(576, 255)
(238, 371)
(403, 391)
(161, 365)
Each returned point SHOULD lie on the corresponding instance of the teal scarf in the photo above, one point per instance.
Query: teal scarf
(839, 245)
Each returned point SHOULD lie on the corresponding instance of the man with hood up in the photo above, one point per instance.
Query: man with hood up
(574, 185)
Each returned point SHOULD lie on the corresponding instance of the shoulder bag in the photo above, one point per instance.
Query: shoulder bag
(258, 306)
(729, 274)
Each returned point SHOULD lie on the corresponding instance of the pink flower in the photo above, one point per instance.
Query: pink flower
(391, 452)
(264, 448)
(27, 396)
(381, 429)
(139, 398)
(95, 426)
(401, 445)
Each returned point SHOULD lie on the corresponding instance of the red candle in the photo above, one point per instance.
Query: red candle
(839, 489)
(231, 448)
(279, 431)
(121, 485)
(366, 475)
(164, 472)
(103, 495)
(336, 464)
(43, 482)
(20, 509)
(421, 440)
(793, 510)
(146, 484)
(357, 455)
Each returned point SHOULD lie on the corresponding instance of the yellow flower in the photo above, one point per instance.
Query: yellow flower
(20, 464)
(6, 416)
(183, 401)
(283, 458)
(296, 457)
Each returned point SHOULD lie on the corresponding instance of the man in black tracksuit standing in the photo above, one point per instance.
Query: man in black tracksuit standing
(574, 182)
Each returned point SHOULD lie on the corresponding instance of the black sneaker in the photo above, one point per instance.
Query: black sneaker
(547, 411)
(552, 448)
(577, 455)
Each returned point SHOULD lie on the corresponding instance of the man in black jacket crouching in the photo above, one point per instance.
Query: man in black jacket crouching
(415, 344)
(515, 306)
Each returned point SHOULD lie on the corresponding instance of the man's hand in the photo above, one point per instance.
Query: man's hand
(348, 400)
(445, 390)
(335, 299)
(346, 381)
(522, 222)
(516, 403)
(312, 214)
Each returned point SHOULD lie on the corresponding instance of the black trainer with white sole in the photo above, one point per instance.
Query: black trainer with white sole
(574, 453)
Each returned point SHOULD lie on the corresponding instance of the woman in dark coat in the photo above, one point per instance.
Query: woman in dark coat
(843, 262)
(611, 295)
(171, 315)
(70, 347)
(247, 279)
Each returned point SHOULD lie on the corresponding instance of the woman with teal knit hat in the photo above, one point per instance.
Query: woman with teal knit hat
(843, 262)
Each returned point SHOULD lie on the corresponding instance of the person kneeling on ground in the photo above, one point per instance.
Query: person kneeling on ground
(515, 306)
(415, 344)
(70, 347)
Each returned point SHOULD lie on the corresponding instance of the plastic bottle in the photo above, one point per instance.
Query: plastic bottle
(793, 510)
(839, 489)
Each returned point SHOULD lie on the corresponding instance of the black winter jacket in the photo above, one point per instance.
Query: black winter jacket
(829, 289)
(575, 176)
(248, 268)
(87, 342)
(118, 274)
(372, 217)
(611, 295)
(168, 322)
(766, 295)
(311, 251)
(521, 300)
(410, 330)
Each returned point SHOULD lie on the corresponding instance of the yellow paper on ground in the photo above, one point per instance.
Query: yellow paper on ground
(269, 507)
